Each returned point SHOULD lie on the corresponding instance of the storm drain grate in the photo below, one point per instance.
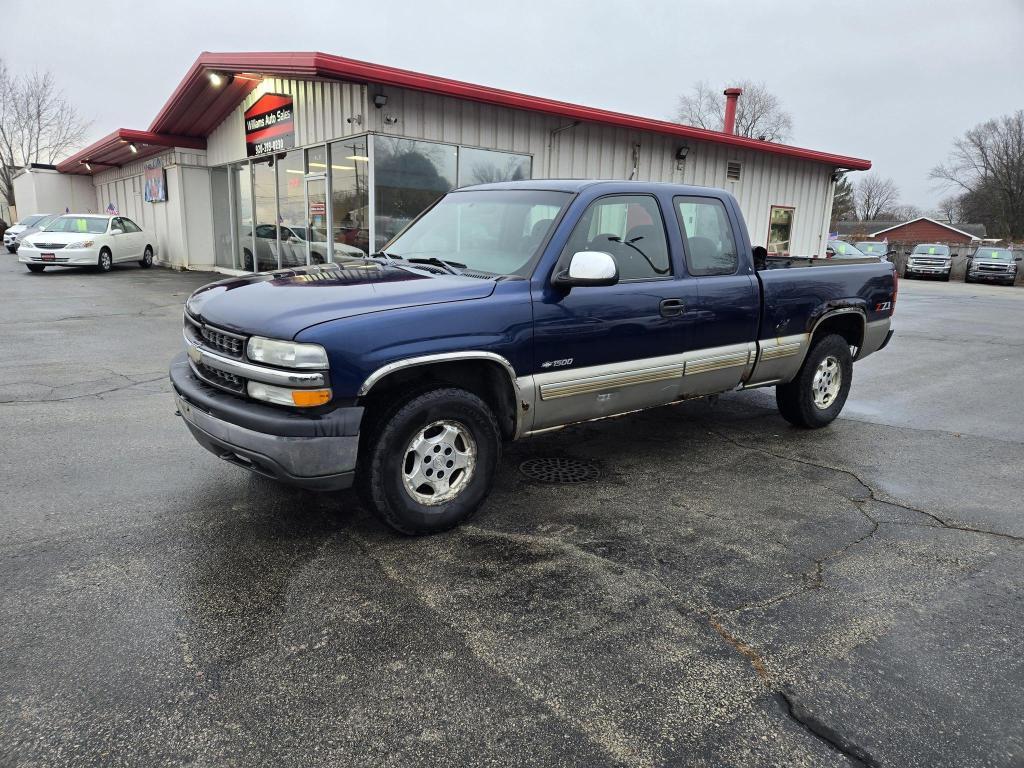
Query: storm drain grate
(558, 469)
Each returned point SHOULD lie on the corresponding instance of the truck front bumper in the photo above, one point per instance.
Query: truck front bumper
(317, 452)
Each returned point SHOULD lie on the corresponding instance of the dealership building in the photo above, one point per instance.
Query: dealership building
(265, 159)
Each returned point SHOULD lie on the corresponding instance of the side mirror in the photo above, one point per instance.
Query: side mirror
(1019, 258)
(117, 231)
(588, 268)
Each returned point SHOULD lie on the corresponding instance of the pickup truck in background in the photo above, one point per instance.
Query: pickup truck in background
(998, 265)
(502, 311)
(929, 259)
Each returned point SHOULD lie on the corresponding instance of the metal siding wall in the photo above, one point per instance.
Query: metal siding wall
(586, 151)
(321, 110)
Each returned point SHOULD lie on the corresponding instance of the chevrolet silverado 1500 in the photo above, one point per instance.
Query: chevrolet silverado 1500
(505, 310)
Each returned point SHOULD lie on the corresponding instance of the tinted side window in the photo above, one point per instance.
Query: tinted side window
(115, 223)
(629, 228)
(129, 225)
(707, 236)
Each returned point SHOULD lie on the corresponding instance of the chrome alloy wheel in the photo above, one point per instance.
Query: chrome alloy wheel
(827, 381)
(439, 462)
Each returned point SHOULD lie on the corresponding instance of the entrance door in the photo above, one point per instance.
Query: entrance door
(317, 231)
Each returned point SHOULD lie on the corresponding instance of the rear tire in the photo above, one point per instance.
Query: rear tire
(818, 393)
(147, 258)
(37, 268)
(409, 449)
(105, 262)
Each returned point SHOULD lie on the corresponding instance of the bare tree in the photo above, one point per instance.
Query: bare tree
(951, 209)
(37, 124)
(987, 163)
(901, 212)
(759, 113)
(875, 195)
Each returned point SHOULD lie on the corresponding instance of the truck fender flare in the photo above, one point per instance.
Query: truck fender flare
(523, 402)
(443, 357)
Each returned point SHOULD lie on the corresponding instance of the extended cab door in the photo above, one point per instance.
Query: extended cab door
(602, 350)
(729, 301)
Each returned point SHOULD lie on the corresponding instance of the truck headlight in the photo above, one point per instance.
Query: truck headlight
(286, 354)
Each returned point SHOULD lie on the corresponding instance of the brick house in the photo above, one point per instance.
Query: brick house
(925, 230)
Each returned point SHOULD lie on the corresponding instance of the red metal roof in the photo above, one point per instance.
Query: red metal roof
(197, 106)
(115, 150)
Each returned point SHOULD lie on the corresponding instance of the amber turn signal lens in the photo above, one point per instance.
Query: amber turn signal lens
(307, 398)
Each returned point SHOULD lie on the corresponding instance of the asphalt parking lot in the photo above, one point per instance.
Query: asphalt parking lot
(730, 591)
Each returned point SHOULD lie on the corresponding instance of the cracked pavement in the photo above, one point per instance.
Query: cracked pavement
(730, 592)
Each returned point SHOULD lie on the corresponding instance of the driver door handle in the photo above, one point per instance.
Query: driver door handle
(672, 307)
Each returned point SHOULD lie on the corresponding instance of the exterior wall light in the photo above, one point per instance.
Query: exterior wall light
(133, 148)
(380, 100)
(216, 79)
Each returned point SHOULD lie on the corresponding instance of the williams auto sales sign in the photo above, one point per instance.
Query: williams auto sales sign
(269, 125)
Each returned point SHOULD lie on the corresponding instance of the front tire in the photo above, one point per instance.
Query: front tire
(105, 262)
(37, 268)
(428, 462)
(147, 258)
(818, 393)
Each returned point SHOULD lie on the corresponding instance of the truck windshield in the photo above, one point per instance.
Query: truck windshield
(872, 249)
(992, 253)
(845, 250)
(932, 250)
(498, 232)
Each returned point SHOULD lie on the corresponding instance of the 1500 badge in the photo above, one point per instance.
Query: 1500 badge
(556, 363)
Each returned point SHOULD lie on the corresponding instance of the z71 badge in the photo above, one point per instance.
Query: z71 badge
(556, 363)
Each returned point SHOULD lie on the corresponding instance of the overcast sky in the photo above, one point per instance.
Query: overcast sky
(892, 81)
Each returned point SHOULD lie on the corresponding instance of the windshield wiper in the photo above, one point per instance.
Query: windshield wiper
(448, 266)
(385, 255)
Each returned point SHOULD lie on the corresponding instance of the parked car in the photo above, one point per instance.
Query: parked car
(37, 227)
(16, 229)
(929, 259)
(75, 240)
(506, 310)
(294, 241)
(839, 249)
(998, 265)
(871, 248)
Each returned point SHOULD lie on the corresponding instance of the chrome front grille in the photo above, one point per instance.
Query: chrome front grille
(226, 343)
(219, 378)
(49, 246)
(993, 267)
(916, 262)
(216, 339)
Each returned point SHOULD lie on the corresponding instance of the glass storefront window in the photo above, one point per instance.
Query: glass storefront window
(350, 200)
(240, 178)
(223, 254)
(482, 166)
(264, 182)
(409, 176)
(291, 206)
(316, 159)
(780, 230)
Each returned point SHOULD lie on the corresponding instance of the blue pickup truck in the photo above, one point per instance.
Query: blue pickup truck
(505, 310)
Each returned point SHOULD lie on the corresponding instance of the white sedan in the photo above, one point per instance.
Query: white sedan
(77, 240)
